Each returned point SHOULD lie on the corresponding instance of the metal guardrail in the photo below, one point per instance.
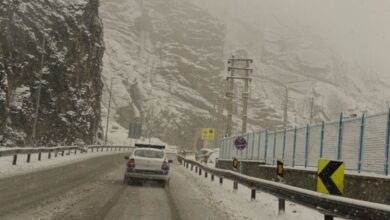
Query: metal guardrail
(56, 150)
(329, 205)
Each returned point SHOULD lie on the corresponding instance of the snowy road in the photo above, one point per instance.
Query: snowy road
(93, 189)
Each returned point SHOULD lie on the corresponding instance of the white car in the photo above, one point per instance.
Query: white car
(147, 163)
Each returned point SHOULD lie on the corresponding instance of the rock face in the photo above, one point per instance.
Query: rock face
(61, 43)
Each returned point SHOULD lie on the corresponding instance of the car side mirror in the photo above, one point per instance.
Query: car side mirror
(170, 161)
(127, 157)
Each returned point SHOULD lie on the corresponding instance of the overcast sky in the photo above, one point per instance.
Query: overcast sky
(357, 29)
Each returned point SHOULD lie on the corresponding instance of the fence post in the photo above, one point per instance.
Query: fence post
(274, 150)
(340, 143)
(294, 146)
(307, 145)
(387, 149)
(258, 149)
(322, 139)
(284, 143)
(253, 144)
(266, 146)
(39, 156)
(49, 155)
(361, 143)
(15, 159)
(28, 158)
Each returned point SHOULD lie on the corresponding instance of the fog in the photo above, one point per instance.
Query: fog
(357, 30)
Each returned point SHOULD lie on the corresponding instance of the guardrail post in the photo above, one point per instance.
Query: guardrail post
(284, 143)
(15, 159)
(49, 155)
(200, 172)
(187, 166)
(62, 153)
(235, 185)
(361, 143)
(282, 206)
(294, 146)
(205, 174)
(28, 158)
(266, 146)
(253, 194)
(75, 151)
(212, 177)
(322, 139)
(340, 142)
(328, 217)
(196, 169)
(192, 167)
(387, 147)
(39, 156)
(274, 151)
(220, 180)
(307, 145)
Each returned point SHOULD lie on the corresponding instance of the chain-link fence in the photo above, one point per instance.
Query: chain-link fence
(362, 143)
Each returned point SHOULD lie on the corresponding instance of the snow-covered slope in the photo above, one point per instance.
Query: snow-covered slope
(169, 63)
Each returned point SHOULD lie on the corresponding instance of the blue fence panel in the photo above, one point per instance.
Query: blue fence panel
(350, 147)
(288, 153)
(374, 143)
(331, 139)
(314, 145)
(279, 145)
(271, 135)
(300, 147)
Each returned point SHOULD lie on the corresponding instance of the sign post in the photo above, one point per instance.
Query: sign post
(240, 143)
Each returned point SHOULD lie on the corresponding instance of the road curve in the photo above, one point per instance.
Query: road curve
(93, 189)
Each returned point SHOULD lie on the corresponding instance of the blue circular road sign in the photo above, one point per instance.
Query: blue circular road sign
(240, 143)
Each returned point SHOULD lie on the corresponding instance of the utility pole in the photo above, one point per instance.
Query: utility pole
(229, 95)
(108, 112)
(34, 131)
(245, 94)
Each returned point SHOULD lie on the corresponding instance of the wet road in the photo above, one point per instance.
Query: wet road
(93, 189)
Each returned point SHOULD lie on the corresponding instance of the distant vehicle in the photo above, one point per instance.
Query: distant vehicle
(147, 162)
(203, 155)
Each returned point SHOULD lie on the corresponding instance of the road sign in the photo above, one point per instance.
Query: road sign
(279, 168)
(135, 130)
(330, 178)
(235, 164)
(208, 134)
(240, 143)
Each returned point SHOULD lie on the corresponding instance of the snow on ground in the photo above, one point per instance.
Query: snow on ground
(22, 167)
(238, 203)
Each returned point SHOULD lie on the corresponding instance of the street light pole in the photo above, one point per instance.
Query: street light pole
(108, 113)
(34, 131)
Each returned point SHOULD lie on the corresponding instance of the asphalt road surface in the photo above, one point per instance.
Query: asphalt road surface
(94, 189)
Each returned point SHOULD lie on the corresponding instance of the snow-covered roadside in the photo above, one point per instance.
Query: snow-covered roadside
(238, 203)
(7, 169)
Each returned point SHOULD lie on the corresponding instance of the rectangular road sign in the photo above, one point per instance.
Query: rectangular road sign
(330, 178)
(208, 134)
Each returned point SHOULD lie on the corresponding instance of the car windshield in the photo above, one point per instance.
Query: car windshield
(149, 154)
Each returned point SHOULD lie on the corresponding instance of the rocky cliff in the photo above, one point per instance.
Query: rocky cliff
(58, 46)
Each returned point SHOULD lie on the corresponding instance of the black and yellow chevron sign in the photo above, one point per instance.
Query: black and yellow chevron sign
(330, 179)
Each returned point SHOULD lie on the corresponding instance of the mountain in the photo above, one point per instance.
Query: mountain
(58, 45)
(169, 63)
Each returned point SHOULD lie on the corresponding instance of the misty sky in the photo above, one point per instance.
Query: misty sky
(359, 30)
